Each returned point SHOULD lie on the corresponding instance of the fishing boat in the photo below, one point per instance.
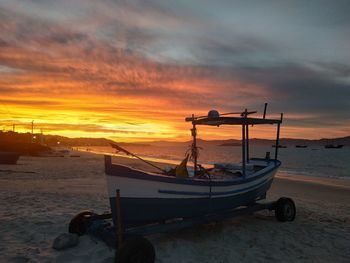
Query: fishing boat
(144, 202)
(8, 157)
(279, 146)
(332, 146)
(151, 197)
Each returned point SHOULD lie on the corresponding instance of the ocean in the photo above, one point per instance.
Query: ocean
(312, 161)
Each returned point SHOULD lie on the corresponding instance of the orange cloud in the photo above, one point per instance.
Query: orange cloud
(86, 79)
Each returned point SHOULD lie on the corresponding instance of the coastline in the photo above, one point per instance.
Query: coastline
(334, 182)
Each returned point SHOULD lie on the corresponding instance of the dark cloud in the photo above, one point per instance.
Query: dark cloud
(184, 55)
(299, 90)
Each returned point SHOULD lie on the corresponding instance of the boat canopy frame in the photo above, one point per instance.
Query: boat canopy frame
(243, 121)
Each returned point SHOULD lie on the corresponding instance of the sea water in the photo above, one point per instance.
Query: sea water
(311, 161)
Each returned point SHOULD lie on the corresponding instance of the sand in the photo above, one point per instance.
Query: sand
(40, 195)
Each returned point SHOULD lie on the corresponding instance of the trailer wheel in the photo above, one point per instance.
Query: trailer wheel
(136, 250)
(78, 223)
(285, 209)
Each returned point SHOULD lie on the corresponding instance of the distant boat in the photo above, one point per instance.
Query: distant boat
(24, 148)
(279, 146)
(332, 146)
(300, 146)
(64, 151)
(8, 158)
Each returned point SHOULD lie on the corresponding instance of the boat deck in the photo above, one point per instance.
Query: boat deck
(219, 171)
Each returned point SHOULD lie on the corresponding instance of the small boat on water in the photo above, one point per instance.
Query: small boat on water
(332, 146)
(300, 146)
(148, 197)
(279, 146)
(8, 157)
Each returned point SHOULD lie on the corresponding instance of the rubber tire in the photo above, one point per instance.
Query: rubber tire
(78, 224)
(136, 250)
(285, 209)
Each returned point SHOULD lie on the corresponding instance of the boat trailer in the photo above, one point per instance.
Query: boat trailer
(132, 246)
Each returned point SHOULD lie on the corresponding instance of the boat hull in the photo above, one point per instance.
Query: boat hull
(147, 210)
(156, 198)
(8, 158)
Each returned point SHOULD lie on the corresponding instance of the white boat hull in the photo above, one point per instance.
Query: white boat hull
(147, 197)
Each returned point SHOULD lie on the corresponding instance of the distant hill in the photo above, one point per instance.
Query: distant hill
(22, 143)
(231, 144)
(65, 141)
(55, 140)
(344, 140)
(254, 141)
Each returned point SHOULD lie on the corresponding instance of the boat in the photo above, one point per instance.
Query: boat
(9, 157)
(279, 146)
(300, 146)
(145, 203)
(332, 146)
(146, 197)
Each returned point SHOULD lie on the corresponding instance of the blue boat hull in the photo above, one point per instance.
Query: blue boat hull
(147, 210)
(8, 158)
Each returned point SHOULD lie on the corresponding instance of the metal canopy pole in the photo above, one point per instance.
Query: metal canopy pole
(243, 150)
(247, 141)
(277, 141)
(194, 146)
(244, 141)
(265, 111)
(278, 137)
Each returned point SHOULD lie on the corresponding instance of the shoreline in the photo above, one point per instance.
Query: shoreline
(334, 182)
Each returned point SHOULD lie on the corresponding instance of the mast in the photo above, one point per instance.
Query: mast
(265, 107)
(41, 136)
(278, 137)
(243, 150)
(194, 146)
(32, 131)
(247, 140)
(244, 141)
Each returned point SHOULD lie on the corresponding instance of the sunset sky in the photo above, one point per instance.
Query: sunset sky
(133, 70)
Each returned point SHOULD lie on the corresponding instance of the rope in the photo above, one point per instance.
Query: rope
(193, 152)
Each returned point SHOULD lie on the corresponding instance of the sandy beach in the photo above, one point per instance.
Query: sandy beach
(40, 195)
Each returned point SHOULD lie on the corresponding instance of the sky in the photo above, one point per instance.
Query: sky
(133, 70)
